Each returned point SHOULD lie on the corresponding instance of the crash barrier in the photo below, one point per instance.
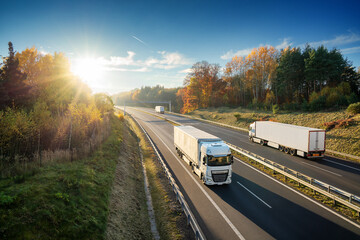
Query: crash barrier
(350, 200)
(179, 196)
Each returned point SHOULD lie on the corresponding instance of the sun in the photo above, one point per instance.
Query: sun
(88, 69)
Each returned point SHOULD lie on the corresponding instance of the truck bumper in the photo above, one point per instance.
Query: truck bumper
(209, 181)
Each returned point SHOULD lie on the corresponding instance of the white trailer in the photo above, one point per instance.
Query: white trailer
(292, 139)
(159, 109)
(209, 157)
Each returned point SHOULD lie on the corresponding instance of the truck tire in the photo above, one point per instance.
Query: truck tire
(281, 148)
(251, 139)
(292, 152)
(286, 150)
(262, 142)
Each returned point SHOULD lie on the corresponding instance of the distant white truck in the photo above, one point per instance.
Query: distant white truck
(292, 139)
(159, 109)
(209, 157)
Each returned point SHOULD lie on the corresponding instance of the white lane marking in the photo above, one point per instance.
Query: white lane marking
(341, 164)
(202, 189)
(254, 195)
(322, 169)
(308, 198)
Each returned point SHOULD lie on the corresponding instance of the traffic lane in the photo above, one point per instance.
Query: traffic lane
(336, 175)
(290, 214)
(210, 220)
(256, 211)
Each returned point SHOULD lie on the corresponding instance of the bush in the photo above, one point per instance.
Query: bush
(275, 109)
(237, 116)
(305, 106)
(354, 108)
(318, 104)
(352, 98)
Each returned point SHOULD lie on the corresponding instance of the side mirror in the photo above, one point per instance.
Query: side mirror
(204, 160)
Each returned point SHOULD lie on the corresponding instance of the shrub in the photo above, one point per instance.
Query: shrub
(352, 98)
(354, 108)
(275, 109)
(305, 106)
(318, 104)
(237, 116)
(332, 99)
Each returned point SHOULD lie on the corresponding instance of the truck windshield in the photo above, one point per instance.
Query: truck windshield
(218, 161)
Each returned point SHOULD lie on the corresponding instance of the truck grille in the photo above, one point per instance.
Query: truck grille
(219, 176)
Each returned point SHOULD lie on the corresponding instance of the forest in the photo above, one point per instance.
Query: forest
(46, 112)
(292, 79)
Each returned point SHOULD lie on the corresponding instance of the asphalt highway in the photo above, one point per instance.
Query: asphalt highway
(336, 172)
(253, 206)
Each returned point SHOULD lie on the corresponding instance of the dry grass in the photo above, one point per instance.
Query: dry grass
(344, 138)
(170, 220)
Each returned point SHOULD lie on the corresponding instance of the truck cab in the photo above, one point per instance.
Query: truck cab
(214, 165)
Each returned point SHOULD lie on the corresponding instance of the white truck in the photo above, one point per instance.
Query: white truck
(209, 157)
(295, 140)
(159, 109)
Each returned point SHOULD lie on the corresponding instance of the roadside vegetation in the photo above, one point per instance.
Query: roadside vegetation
(170, 220)
(70, 200)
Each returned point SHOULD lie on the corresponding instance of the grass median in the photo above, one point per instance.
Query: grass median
(170, 219)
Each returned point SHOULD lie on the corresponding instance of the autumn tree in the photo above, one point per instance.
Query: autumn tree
(262, 63)
(13, 91)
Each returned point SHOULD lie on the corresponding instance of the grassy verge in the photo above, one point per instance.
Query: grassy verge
(68, 200)
(344, 210)
(170, 220)
(345, 139)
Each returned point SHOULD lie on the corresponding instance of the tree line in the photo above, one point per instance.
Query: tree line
(43, 106)
(308, 79)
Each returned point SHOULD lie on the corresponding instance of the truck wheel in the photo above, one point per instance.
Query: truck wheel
(286, 150)
(251, 139)
(262, 143)
(281, 148)
(292, 152)
(202, 178)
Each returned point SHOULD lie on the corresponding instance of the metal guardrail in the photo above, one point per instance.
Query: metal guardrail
(212, 122)
(331, 152)
(179, 196)
(350, 200)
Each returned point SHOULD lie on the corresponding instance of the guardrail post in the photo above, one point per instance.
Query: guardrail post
(350, 198)
(328, 188)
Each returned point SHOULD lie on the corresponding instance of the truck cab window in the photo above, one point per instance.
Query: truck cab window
(219, 161)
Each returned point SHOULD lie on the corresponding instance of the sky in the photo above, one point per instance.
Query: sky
(117, 46)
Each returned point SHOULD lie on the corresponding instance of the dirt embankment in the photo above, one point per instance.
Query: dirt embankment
(128, 215)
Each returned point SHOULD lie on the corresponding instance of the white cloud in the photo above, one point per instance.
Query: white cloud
(164, 60)
(244, 52)
(285, 43)
(350, 50)
(230, 54)
(117, 69)
(338, 40)
(187, 70)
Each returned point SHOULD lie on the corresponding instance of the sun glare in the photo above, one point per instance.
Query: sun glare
(88, 69)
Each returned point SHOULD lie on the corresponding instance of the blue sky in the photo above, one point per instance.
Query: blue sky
(140, 43)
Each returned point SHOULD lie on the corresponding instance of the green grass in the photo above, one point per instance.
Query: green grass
(345, 139)
(170, 220)
(66, 200)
